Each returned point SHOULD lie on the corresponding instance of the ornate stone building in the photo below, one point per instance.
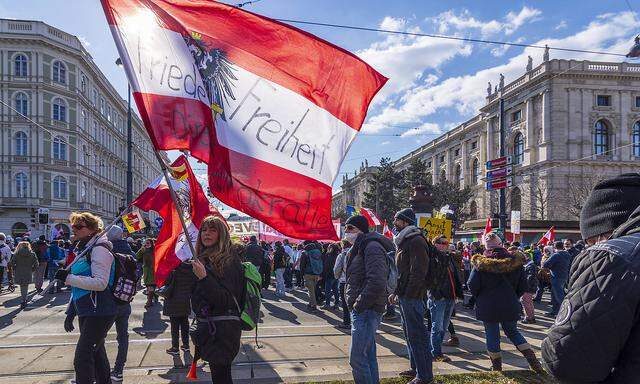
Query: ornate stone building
(567, 124)
(78, 162)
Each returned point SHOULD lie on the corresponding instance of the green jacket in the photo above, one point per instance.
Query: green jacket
(23, 262)
(146, 257)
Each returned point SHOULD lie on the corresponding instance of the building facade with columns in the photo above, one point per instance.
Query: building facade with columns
(567, 124)
(76, 159)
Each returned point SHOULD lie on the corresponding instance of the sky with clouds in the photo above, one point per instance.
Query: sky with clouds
(434, 84)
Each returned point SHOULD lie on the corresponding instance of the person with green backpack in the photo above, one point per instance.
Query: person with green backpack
(225, 300)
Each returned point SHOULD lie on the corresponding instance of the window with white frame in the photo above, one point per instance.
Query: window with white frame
(22, 143)
(59, 72)
(21, 102)
(475, 171)
(601, 138)
(59, 188)
(21, 184)
(59, 112)
(102, 109)
(20, 65)
(83, 191)
(83, 84)
(59, 148)
(518, 149)
(636, 139)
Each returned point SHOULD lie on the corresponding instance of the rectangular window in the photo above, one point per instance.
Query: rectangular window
(474, 145)
(516, 116)
(94, 101)
(102, 106)
(457, 152)
(603, 100)
(637, 101)
(442, 158)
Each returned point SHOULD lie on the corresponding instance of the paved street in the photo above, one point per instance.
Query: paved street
(293, 345)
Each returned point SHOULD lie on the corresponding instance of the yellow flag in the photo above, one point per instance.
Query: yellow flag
(133, 221)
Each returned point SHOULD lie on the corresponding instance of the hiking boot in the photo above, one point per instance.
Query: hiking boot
(410, 373)
(533, 361)
(173, 351)
(442, 359)
(496, 363)
(452, 342)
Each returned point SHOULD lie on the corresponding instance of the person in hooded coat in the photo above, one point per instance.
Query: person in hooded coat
(498, 281)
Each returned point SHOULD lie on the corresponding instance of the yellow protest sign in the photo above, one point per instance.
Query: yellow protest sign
(435, 226)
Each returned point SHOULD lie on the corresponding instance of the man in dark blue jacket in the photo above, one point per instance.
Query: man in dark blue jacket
(558, 264)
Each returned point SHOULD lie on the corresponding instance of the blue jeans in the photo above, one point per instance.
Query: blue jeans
(557, 290)
(280, 282)
(441, 311)
(415, 333)
(122, 335)
(362, 353)
(331, 289)
(492, 334)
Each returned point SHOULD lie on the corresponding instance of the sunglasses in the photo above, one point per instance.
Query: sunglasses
(78, 227)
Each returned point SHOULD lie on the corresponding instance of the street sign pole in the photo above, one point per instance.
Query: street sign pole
(502, 214)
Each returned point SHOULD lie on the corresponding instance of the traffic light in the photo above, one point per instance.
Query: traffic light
(43, 216)
(33, 218)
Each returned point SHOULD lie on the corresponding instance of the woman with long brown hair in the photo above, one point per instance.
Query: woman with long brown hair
(216, 298)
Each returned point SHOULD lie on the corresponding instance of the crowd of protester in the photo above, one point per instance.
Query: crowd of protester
(367, 277)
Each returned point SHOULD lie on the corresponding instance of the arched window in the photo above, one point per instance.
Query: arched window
(22, 103)
(458, 179)
(515, 199)
(473, 210)
(443, 175)
(601, 138)
(21, 184)
(636, 139)
(518, 149)
(59, 188)
(83, 191)
(83, 84)
(59, 112)
(475, 171)
(18, 229)
(20, 66)
(59, 148)
(59, 74)
(22, 143)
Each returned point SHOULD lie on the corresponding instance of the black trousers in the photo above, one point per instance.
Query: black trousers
(266, 275)
(299, 279)
(179, 327)
(91, 361)
(346, 316)
(220, 374)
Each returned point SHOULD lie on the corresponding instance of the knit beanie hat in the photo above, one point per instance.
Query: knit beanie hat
(492, 240)
(359, 222)
(610, 204)
(115, 233)
(406, 215)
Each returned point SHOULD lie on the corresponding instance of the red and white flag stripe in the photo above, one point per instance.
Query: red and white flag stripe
(288, 103)
(371, 217)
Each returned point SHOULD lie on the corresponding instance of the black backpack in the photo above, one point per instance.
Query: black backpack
(438, 267)
(125, 279)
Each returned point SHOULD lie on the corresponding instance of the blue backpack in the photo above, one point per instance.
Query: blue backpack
(316, 265)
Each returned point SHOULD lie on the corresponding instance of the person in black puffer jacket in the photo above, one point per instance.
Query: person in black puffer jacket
(216, 299)
(279, 266)
(596, 335)
(497, 281)
(177, 305)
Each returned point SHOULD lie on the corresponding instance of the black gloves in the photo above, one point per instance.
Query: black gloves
(68, 323)
(62, 274)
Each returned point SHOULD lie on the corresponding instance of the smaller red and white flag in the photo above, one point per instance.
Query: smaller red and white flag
(548, 237)
(387, 232)
(371, 217)
(487, 229)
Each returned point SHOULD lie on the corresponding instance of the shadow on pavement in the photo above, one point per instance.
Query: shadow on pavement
(281, 313)
(152, 323)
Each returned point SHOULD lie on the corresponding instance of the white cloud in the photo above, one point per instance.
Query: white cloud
(464, 21)
(385, 142)
(404, 59)
(466, 94)
(500, 50)
(561, 25)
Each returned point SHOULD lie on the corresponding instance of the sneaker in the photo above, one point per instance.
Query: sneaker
(452, 342)
(173, 351)
(442, 359)
(409, 373)
(116, 376)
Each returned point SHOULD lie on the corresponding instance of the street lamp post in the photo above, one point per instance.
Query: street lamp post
(502, 214)
(129, 143)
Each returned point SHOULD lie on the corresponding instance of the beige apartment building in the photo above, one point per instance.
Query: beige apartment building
(78, 161)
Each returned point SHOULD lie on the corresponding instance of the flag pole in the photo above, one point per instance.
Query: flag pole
(172, 192)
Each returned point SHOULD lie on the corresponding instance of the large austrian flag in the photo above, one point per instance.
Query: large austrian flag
(285, 104)
(171, 247)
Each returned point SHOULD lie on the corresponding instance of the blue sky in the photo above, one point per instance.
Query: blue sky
(434, 84)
